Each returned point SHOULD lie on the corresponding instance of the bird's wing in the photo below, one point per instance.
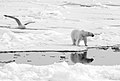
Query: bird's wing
(29, 22)
(17, 20)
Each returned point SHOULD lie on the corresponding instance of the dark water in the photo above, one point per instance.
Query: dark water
(92, 56)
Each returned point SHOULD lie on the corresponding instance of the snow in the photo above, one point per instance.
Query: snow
(54, 21)
(59, 72)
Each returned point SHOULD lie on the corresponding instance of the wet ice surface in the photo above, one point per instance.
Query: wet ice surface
(104, 57)
(92, 57)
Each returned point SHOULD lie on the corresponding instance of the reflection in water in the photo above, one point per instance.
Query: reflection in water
(115, 49)
(80, 58)
(102, 55)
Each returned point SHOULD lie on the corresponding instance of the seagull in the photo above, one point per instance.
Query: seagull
(20, 25)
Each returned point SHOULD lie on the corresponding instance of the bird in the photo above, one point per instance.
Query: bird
(20, 25)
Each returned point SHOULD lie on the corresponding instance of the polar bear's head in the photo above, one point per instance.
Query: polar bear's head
(90, 34)
(86, 34)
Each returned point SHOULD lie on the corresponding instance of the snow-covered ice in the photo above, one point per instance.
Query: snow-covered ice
(59, 72)
(56, 19)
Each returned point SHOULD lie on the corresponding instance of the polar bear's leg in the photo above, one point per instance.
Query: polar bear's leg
(74, 41)
(85, 41)
(77, 42)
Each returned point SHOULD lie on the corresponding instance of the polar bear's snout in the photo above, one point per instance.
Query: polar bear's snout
(91, 59)
(92, 35)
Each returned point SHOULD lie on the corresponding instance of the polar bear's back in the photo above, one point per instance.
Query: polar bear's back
(76, 34)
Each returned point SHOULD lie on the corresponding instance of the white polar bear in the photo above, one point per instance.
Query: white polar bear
(78, 35)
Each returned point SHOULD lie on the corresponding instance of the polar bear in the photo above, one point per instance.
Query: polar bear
(80, 58)
(78, 35)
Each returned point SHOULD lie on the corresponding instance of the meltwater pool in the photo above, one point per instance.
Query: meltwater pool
(92, 56)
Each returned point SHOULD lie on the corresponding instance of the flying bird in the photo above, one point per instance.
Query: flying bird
(20, 25)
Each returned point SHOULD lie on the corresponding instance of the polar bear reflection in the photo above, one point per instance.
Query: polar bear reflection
(80, 58)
